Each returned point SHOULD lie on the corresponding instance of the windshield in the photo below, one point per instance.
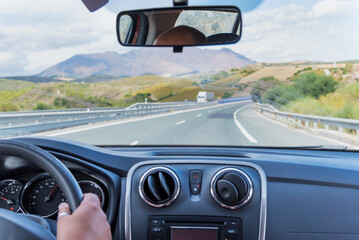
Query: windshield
(292, 79)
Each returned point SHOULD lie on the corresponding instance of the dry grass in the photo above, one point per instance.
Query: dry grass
(279, 72)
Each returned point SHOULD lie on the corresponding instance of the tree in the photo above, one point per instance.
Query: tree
(311, 84)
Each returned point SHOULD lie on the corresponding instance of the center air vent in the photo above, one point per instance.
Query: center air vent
(231, 188)
(159, 186)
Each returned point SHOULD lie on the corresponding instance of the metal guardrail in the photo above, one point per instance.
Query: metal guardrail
(234, 99)
(22, 123)
(310, 120)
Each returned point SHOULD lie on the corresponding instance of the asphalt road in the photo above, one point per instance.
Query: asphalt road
(225, 124)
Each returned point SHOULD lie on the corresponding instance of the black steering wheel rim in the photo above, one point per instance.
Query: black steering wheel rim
(48, 163)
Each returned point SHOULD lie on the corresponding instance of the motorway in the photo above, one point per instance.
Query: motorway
(225, 124)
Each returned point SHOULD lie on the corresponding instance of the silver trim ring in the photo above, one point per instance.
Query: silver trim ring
(172, 199)
(246, 198)
(26, 187)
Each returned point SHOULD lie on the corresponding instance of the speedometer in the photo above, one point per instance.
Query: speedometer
(42, 196)
(10, 194)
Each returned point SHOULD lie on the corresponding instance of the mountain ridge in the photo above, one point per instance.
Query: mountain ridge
(140, 61)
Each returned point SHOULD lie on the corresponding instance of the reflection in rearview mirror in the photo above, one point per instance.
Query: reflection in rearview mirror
(187, 26)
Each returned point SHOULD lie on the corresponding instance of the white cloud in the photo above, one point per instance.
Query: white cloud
(36, 34)
(294, 32)
(40, 33)
(330, 8)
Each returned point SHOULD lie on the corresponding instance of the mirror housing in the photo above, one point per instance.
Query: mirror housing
(93, 5)
(179, 26)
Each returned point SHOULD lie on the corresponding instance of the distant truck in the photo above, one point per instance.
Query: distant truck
(205, 96)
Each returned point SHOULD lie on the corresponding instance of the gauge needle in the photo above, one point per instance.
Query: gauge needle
(8, 201)
(48, 198)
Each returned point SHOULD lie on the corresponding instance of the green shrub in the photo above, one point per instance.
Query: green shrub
(282, 95)
(42, 106)
(311, 84)
(8, 107)
(227, 95)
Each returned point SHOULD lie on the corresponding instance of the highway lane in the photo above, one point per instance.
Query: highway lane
(225, 124)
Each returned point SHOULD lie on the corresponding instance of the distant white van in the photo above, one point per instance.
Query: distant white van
(205, 96)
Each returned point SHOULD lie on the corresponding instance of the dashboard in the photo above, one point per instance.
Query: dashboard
(219, 193)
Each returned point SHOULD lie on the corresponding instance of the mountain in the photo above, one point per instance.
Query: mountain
(147, 61)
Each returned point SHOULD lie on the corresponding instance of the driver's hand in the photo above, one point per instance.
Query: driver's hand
(88, 221)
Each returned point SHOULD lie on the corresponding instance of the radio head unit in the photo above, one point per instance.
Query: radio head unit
(194, 228)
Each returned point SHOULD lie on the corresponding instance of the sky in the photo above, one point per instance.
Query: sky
(37, 34)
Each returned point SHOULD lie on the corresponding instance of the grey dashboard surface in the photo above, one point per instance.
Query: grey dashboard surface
(312, 194)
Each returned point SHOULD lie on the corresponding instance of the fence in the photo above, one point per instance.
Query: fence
(22, 123)
(310, 121)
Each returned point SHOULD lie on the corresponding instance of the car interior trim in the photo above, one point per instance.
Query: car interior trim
(263, 180)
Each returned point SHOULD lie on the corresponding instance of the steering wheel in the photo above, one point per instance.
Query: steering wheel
(21, 226)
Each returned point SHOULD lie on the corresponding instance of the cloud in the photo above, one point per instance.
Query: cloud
(40, 33)
(37, 34)
(330, 8)
(294, 32)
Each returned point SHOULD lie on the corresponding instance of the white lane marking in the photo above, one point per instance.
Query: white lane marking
(181, 122)
(199, 115)
(134, 143)
(107, 124)
(241, 128)
(210, 111)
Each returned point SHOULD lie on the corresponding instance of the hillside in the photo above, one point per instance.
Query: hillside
(20, 95)
(159, 61)
(101, 92)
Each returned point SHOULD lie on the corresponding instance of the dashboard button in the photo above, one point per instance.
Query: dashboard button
(195, 176)
(156, 229)
(231, 238)
(156, 237)
(231, 231)
(156, 222)
(195, 189)
(232, 224)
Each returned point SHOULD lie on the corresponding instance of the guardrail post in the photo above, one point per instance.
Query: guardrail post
(340, 129)
(306, 124)
(315, 125)
(326, 126)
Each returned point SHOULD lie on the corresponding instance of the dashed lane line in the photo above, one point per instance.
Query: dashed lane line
(181, 122)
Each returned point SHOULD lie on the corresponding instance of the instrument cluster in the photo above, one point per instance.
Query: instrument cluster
(41, 195)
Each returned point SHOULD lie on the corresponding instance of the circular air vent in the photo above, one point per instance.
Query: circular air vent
(231, 188)
(159, 186)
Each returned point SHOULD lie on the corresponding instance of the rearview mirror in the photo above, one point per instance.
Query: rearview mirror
(179, 26)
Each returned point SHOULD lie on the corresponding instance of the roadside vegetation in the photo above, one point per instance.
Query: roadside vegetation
(312, 92)
(20, 95)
